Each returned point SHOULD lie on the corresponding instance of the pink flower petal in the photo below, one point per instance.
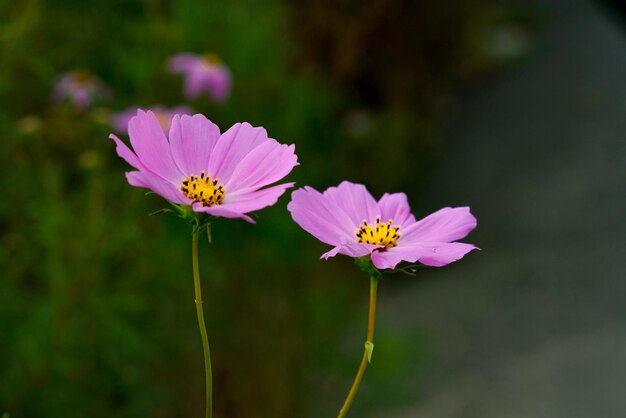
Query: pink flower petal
(119, 120)
(391, 257)
(183, 62)
(355, 200)
(151, 146)
(351, 250)
(192, 139)
(218, 82)
(395, 206)
(195, 84)
(218, 210)
(232, 146)
(434, 254)
(445, 225)
(265, 164)
(256, 200)
(157, 185)
(125, 152)
(441, 254)
(321, 217)
(82, 98)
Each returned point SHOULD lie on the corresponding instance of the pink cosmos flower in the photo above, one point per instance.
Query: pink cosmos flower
(220, 174)
(350, 219)
(81, 88)
(119, 121)
(204, 74)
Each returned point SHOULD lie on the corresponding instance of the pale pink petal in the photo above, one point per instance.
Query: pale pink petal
(355, 200)
(82, 97)
(61, 87)
(445, 225)
(151, 146)
(157, 185)
(232, 146)
(395, 206)
(219, 82)
(351, 250)
(391, 257)
(220, 211)
(195, 83)
(435, 254)
(321, 217)
(331, 253)
(440, 254)
(265, 164)
(192, 139)
(183, 62)
(256, 200)
(125, 152)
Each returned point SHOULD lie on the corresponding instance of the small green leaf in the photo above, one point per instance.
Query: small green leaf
(369, 348)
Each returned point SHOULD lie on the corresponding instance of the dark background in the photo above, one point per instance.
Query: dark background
(514, 108)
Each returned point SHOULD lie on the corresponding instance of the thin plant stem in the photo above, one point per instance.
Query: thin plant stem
(203, 334)
(369, 347)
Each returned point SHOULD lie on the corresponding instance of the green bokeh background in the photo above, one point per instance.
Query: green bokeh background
(96, 298)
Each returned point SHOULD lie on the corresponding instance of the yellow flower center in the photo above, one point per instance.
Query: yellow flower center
(211, 59)
(82, 77)
(379, 234)
(203, 189)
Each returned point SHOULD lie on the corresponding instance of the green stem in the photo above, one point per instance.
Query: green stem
(201, 325)
(369, 347)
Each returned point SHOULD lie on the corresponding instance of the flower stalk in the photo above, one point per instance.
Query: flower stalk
(369, 343)
(199, 311)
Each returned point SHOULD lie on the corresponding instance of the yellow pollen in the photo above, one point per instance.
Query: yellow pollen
(203, 189)
(211, 59)
(379, 234)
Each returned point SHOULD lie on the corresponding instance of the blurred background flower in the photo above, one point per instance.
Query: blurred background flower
(514, 108)
(80, 88)
(203, 75)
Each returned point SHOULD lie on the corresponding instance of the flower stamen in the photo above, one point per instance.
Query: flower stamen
(203, 189)
(381, 234)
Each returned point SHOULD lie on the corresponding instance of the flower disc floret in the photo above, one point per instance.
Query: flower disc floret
(203, 189)
(380, 234)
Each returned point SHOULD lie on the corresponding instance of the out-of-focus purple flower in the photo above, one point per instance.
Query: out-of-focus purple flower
(81, 88)
(204, 75)
(350, 219)
(119, 121)
(221, 174)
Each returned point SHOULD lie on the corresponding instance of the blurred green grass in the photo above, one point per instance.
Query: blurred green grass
(96, 298)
